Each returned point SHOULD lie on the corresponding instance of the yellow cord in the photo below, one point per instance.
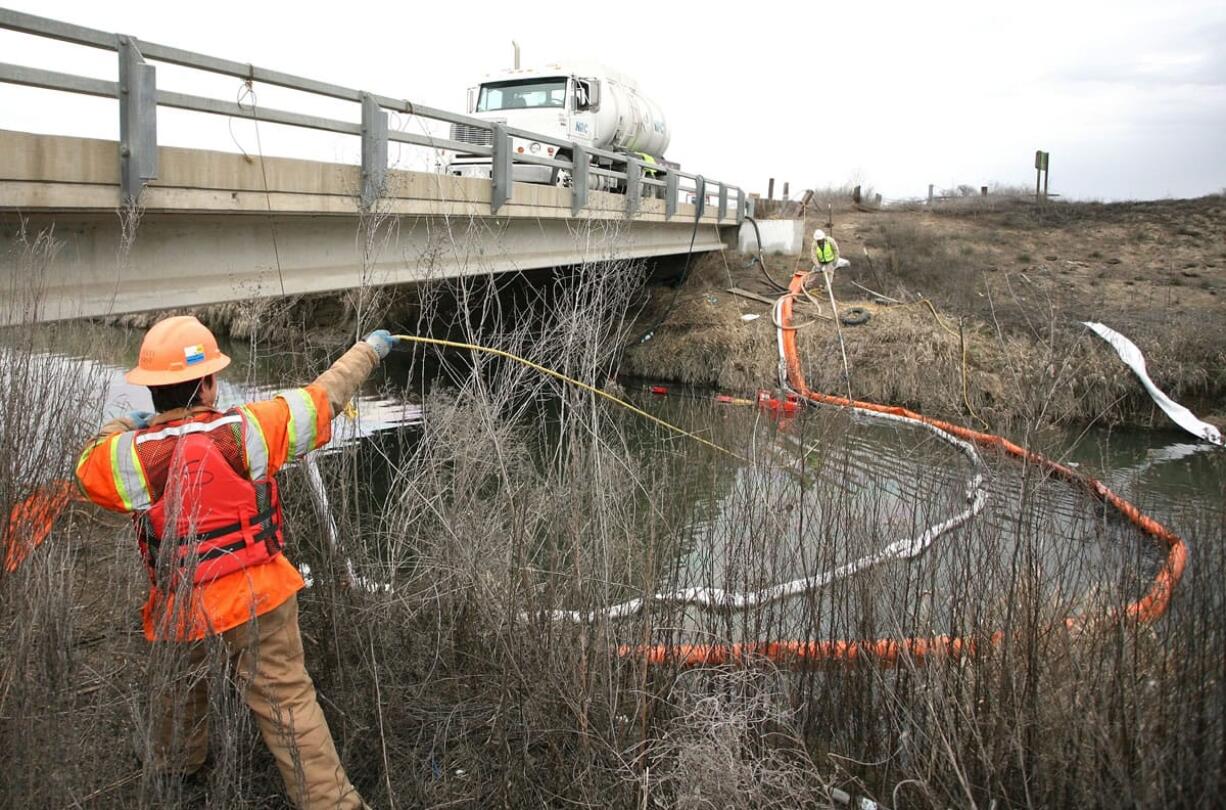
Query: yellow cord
(453, 344)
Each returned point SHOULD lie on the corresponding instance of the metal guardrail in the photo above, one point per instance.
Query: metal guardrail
(138, 96)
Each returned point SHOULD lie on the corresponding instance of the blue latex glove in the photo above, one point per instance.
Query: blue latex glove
(139, 418)
(381, 341)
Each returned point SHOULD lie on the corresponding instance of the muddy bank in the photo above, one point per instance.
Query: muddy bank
(325, 320)
(1002, 343)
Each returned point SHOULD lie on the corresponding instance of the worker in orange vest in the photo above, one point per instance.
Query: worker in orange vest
(200, 485)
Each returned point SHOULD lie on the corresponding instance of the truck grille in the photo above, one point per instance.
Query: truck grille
(469, 134)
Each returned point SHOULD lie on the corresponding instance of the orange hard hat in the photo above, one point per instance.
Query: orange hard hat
(176, 350)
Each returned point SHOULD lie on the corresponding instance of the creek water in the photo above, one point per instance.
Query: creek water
(835, 488)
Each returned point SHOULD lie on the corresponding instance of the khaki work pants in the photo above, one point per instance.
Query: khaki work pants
(267, 663)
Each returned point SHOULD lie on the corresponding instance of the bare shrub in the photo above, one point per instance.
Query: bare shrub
(48, 400)
(734, 741)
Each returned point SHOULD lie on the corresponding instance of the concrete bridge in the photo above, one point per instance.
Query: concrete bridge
(217, 227)
(136, 225)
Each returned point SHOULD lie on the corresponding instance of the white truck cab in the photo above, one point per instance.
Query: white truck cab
(588, 104)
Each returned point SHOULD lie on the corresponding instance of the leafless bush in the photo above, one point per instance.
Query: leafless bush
(48, 401)
(734, 741)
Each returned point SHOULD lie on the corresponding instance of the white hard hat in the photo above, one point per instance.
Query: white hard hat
(819, 234)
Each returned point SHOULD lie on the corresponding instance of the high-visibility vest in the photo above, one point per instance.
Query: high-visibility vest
(648, 159)
(118, 471)
(823, 251)
(209, 497)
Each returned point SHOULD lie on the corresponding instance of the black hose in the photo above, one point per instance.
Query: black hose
(679, 282)
(761, 260)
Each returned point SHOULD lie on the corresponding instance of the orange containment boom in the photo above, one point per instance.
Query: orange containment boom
(30, 522)
(888, 651)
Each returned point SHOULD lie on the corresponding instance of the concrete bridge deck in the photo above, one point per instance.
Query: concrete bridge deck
(216, 227)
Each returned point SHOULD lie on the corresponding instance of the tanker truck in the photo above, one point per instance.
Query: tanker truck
(588, 104)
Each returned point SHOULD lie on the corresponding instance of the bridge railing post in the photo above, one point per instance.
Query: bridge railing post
(138, 128)
(740, 205)
(672, 185)
(374, 151)
(580, 161)
(700, 196)
(500, 169)
(634, 185)
(723, 202)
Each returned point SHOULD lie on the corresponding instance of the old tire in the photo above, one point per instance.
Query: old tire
(854, 316)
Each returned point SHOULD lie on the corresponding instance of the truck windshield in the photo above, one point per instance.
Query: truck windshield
(522, 94)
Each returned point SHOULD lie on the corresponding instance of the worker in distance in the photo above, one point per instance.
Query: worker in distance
(201, 488)
(825, 251)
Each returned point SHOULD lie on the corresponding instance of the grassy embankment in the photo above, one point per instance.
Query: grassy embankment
(1015, 280)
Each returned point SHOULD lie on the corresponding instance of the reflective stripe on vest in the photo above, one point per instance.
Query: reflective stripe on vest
(302, 416)
(188, 427)
(128, 474)
(255, 445)
(824, 252)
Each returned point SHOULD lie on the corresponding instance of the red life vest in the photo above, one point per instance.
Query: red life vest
(216, 519)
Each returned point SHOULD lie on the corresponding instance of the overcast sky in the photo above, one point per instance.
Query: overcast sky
(1128, 97)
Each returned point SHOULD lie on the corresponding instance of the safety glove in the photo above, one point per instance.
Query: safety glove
(139, 419)
(381, 341)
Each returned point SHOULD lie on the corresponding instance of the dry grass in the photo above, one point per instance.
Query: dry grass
(1018, 279)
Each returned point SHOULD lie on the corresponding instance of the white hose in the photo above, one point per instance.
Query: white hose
(905, 548)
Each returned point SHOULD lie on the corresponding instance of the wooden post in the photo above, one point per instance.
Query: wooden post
(1046, 172)
(855, 195)
(770, 189)
(983, 191)
(785, 190)
(930, 193)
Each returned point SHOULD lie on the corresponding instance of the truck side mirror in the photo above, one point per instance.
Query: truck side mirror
(593, 94)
